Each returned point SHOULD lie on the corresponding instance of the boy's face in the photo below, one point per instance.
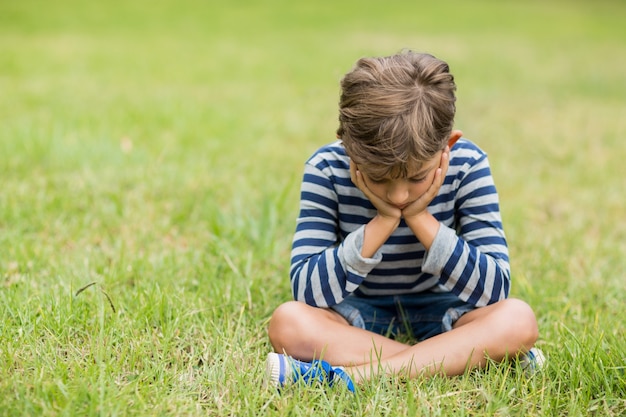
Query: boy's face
(400, 192)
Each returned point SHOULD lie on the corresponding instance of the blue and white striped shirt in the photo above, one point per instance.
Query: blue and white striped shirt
(469, 256)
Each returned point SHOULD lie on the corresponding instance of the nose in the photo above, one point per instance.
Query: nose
(398, 193)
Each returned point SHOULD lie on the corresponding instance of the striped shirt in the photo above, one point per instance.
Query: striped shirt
(469, 256)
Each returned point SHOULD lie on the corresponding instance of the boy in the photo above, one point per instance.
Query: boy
(399, 232)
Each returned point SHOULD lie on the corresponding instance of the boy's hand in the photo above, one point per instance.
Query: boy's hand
(419, 206)
(378, 230)
(384, 209)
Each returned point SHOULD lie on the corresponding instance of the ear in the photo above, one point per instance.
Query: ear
(454, 136)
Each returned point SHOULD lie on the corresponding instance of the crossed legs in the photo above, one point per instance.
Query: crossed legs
(500, 330)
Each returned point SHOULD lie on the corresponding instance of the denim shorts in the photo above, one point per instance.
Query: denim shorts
(417, 316)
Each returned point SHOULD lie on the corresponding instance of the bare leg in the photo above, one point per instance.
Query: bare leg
(500, 330)
(306, 333)
(496, 331)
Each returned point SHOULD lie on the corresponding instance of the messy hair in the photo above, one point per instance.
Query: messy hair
(396, 112)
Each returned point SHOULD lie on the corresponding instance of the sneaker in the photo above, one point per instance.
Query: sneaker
(533, 361)
(283, 369)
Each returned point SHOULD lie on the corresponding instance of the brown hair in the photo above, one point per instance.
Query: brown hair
(396, 112)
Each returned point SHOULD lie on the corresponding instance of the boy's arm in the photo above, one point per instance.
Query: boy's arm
(376, 233)
(324, 267)
(472, 261)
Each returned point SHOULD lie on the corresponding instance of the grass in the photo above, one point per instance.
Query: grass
(154, 150)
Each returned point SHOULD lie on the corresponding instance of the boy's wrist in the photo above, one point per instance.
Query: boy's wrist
(376, 233)
(425, 227)
(392, 221)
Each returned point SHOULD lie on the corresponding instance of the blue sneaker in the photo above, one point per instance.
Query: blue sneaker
(532, 361)
(283, 369)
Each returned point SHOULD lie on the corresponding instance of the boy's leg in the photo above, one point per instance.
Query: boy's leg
(307, 333)
(497, 331)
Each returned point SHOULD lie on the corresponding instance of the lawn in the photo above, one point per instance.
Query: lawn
(150, 160)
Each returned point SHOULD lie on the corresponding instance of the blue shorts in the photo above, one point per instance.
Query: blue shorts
(418, 316)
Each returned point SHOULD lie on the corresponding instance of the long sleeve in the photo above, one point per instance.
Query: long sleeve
(324, 267)
(472, 261)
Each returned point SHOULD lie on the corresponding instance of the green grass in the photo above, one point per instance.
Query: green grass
(155, 149)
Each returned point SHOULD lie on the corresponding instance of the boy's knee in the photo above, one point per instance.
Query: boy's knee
(522, 321)
(284, 322)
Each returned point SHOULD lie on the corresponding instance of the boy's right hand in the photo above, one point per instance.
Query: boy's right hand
(378, 230)
(384, 209)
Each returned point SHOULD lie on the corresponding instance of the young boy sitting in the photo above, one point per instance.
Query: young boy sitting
(399, 233)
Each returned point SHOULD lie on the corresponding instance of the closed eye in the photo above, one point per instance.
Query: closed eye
(379, 180)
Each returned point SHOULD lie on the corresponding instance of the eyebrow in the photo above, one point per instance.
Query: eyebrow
(378, 173)
(422, 172)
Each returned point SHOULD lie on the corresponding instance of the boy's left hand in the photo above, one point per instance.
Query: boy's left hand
(384, 209)
(420, 205)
